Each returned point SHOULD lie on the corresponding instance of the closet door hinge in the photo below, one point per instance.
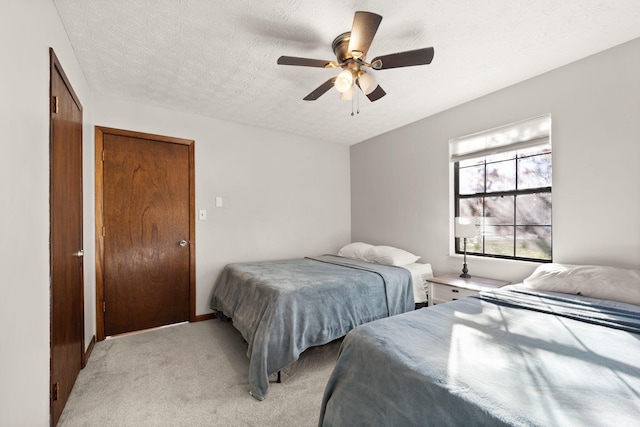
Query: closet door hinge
(54, 391)
(54, 105)
(104, 231)
(104, 307)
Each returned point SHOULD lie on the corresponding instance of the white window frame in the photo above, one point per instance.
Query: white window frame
(523, 134)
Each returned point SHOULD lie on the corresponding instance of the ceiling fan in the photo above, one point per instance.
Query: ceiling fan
(351, 50)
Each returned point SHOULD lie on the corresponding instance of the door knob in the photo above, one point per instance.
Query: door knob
(183, 243)
(79, 254)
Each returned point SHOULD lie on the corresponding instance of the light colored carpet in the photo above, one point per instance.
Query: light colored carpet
(193, 374)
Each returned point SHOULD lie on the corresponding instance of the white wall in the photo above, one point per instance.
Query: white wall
(284, 196)
(27, 29)
(400, 181)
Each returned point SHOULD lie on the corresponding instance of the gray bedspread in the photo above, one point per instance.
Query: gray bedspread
(281, 308)
(502, 358)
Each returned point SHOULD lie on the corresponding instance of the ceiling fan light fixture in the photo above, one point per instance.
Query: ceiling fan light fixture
(366, 82)
(344, 81)
(347, 95)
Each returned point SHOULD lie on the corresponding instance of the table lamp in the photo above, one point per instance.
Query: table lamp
(465, 228)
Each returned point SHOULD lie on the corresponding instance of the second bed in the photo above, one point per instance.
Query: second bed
(281, 308)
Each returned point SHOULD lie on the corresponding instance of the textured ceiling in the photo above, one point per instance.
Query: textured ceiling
(218, 58)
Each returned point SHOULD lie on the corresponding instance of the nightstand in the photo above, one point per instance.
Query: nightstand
(451, 287)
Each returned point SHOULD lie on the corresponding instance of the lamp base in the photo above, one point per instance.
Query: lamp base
(465, 271)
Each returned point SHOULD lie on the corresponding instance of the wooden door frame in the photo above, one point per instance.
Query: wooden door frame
(100, 262)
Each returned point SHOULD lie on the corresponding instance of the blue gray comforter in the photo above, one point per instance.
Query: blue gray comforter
(281, 308)
(502, 358)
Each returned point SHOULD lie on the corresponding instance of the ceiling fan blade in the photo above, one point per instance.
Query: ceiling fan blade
(306, 62)
(377, 93)
(365, 25)
(403, 59)
(320, 90)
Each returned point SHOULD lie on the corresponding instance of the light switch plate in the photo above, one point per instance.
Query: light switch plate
(202, 214)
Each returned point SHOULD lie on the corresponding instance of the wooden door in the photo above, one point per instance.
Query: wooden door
(147, 230)
(67, 306)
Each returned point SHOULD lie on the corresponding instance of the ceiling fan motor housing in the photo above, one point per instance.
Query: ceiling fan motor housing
(340, 47)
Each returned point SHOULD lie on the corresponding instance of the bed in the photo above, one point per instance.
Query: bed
(281, 308)
(562, 348)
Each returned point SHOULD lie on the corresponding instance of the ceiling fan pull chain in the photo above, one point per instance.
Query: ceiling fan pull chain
(352, 105)
(358, 101)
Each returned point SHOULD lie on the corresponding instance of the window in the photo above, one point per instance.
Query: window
(502, 177)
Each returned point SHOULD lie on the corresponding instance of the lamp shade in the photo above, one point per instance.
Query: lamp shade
(348, 95)
(367, 82)
(465, 227)
(344, 81)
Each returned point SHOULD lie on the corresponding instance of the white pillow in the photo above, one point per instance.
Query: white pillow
(355, 250)
(593, 281)
(390, 256)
